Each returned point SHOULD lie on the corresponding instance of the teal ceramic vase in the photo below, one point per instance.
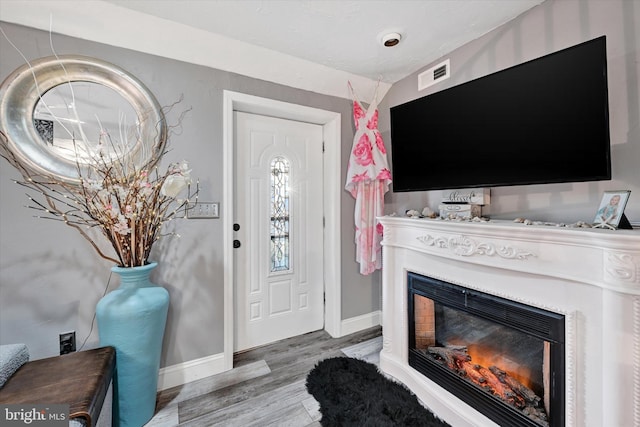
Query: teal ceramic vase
(132, 319)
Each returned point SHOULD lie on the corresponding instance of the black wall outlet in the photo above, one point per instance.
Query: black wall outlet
(67, 342)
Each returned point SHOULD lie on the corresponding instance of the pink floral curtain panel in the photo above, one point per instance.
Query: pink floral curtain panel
(368, 179)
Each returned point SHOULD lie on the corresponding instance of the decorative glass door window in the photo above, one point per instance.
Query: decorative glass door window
(280, 176)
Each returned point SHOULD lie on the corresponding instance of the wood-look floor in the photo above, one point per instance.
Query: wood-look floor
(266, 387)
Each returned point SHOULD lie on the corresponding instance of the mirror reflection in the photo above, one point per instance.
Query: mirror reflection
(79, 120)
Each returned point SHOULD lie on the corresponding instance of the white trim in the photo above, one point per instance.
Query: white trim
(332, 253)
(362, 322)
(192, 370)
(227, 225)
(331, 122)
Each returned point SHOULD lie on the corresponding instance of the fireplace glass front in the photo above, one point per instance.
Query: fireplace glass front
(502, 357)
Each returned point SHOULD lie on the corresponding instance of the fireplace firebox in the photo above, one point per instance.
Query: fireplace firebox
(504, 358)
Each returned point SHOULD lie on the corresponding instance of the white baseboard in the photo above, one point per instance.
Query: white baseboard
(182, 373)
(360, 323)
(192, 370)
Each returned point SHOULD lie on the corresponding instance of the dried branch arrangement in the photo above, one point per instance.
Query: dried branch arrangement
(125, 203)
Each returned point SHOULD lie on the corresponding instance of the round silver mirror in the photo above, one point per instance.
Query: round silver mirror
(59, 112)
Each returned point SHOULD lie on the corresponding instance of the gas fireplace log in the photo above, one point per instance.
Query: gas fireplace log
(527, 394)
(453, 356)
(474, 375)
(516, 394)
(500, 389)
(493, 379)
(536, 414)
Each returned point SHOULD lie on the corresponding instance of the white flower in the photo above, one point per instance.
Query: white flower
(122, 226)
(121, 191)
(145, 189)
(112, 210)
(174, 184)
(93, 185)
(181, 167)
(129, 212)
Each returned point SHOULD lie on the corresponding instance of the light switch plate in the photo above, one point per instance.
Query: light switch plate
(203, 210)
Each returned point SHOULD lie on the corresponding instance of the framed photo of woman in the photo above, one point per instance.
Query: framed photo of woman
(611, 210)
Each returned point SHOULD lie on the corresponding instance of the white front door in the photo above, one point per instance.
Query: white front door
(279, 284)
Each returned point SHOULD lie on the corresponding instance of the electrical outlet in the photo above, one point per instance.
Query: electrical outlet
(203, 210)
(67, 342)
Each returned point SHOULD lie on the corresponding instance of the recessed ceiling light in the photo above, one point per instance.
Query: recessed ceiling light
(391, 39)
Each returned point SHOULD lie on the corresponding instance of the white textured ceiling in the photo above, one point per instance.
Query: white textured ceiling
(315, 45)
(344, 34)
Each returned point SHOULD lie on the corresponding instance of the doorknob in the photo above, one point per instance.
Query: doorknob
(236, 227)
(236, 244)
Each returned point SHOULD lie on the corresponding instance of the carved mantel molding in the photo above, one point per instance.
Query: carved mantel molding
(601, 258)
(622, 266)
(466, 246)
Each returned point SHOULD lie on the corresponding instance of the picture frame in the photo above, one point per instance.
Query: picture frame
(610, 213)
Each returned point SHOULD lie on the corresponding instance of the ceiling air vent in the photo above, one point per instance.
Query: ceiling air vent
(433, 75)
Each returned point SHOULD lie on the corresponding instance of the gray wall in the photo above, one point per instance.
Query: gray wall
(50, 278)
(551, 26)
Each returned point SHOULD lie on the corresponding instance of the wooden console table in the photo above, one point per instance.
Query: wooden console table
(79, 379)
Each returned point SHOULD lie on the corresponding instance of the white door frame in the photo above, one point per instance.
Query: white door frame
(331, 126)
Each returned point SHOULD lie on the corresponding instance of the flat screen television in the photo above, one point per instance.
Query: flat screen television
(543, 121)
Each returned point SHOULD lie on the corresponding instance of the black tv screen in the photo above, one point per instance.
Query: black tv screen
(543, 121)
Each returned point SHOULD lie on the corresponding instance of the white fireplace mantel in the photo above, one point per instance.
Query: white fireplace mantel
(592, 276)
